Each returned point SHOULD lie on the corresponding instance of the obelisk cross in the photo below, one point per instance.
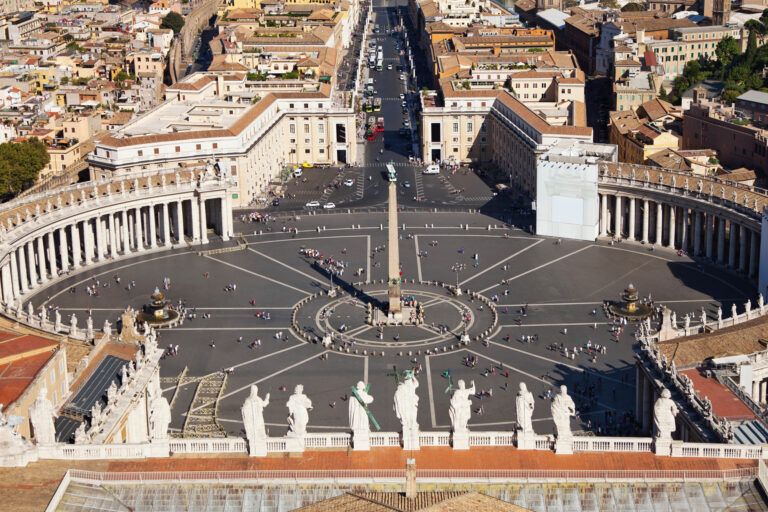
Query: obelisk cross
(365, 407)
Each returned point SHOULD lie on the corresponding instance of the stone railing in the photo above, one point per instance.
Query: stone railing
(210, 445)
(670, 329)
(719, 451)
(756, 408)
(612, 444)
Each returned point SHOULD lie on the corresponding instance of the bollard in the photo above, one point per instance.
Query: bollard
(323, 228)
(489, 227)
(382, 353)
(381, 227)
(466, 227)
(432, 226)
(410, 353)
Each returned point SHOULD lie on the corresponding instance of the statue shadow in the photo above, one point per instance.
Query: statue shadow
(348, 287)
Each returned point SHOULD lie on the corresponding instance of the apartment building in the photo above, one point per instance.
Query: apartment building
(691, 43)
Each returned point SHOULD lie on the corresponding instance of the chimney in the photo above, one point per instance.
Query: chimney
(410, 478)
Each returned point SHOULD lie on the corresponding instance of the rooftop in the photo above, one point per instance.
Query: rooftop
(725, 404)
(754, 96)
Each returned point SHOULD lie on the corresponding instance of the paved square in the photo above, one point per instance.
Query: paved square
(561, 284)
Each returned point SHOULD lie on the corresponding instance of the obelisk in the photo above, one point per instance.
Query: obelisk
(395, 307)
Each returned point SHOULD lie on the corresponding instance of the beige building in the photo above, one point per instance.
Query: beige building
(253, 139)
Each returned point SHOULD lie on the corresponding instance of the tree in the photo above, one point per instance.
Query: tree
(20, 164)
(173, 21)
(751, 47)
(611, 4)
(634, 7)
(726, 50)
(663, 94)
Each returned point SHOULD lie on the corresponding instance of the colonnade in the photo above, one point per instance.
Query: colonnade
(106, 233)
(708, 233)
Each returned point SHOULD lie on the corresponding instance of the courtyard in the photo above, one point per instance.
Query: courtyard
(558, 285)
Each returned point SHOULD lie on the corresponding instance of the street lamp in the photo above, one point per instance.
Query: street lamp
(457, 267)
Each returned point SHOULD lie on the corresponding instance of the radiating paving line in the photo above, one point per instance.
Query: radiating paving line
(297, 271)
(541, 266)
(496, 265)
(243, 388)
(258, 275)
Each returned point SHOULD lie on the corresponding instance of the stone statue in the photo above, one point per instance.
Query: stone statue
(661, 179)
(89, 327)
(722, 192)
(58, 201)
(735, 197)
(111, 394)
(358, 418)
(30, 311)
(37, 210)
(700, 186)
(760, 302)
(672, 181)
(124, 375)
(159, 418)
(719, 314)
(81, 436)
(107, 329)
(407, 403)
(748, 307)
(162, 181)
(647, 175)
(664, 412)
(562, 410)
(253, 420)
(298, 417)
(674, 320)
(131, 369)
(150, 343)
(711, 189)
(73, 325)
(632, 174)
(41, 416)
(686, 183)
(687, 322)
(733, 311)
(754, 204)
(746, 200)
(703, 318)
(524, 404)
(57, 320)
(460, 408)
(82, 196)
(96, 414)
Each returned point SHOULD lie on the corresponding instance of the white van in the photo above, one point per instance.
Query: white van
(432, 169)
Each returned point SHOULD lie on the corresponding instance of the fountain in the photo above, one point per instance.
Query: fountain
(156, 313)
(630, 306)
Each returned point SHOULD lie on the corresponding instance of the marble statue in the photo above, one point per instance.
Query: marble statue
(760, 302)
(673, 181)
(358, 418)
(735, 196)
(162, 181)
(661, 179)
(632, 173)
(407, 403)
(159, 417)
(703, 318)
(107, 329)
(150, 343)
(711, 189)
(253, 421)
(562, 410)
(124, 374)
(73, 325)
(746, 200)
(41, 416)
(96, 414)
(460, 407)
(687, 322)
(30, 311)
(748, 307)
(700, 186)
(733, 312)
(82, 196)
(754, 204)
(524, 405)
(298, 417)
(686, 184)
(111, 394)
(37, 210)
(722, 192)
(674, 320)
(647, 175)
(57, 320)
(89, 327)
(81, 437)
(719, 314)
(664, 412)
(58, 201)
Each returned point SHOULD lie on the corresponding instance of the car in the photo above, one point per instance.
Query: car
(349, 182)
(402, 77)
(276, 202)
(297, 173)
(389, 66)
(329, 206)
(402, 96)
(406, 123)
(407, 184)
(404, 104)
(432, 169)
(306, 164)
(313, 204)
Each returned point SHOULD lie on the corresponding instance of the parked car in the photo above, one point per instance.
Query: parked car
(432, 169)
(349, 182)
(329, 205)
(313, 204)
(276, 202)
(297, 173)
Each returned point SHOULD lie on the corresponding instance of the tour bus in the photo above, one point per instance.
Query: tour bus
(391, 172)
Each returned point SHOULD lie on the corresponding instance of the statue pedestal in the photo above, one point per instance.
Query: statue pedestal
(361, 441)
(564, 446)
(294, 444)
(662, 446)
(160, 448)
(526, 441)
(411, 439)
(465, 339)
(17, 453)
(460, 440)
(257, 447)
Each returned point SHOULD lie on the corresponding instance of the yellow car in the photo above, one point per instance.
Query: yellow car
(305, 164)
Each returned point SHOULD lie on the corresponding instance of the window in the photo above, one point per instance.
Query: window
(321, 128)
(322, 151)
(306, 128)
(306, 151)
(198, 147)
(455, 127)
(157, 151)
(293, 141)
(306, 141)
(306, 105)
(141, 153)
(455, 140)
(292, 128)
(215, 145)
(455, 150)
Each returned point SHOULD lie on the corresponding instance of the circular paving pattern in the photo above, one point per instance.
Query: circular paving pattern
(446, 317)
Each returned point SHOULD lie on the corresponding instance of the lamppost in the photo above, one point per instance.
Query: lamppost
(457, 267)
